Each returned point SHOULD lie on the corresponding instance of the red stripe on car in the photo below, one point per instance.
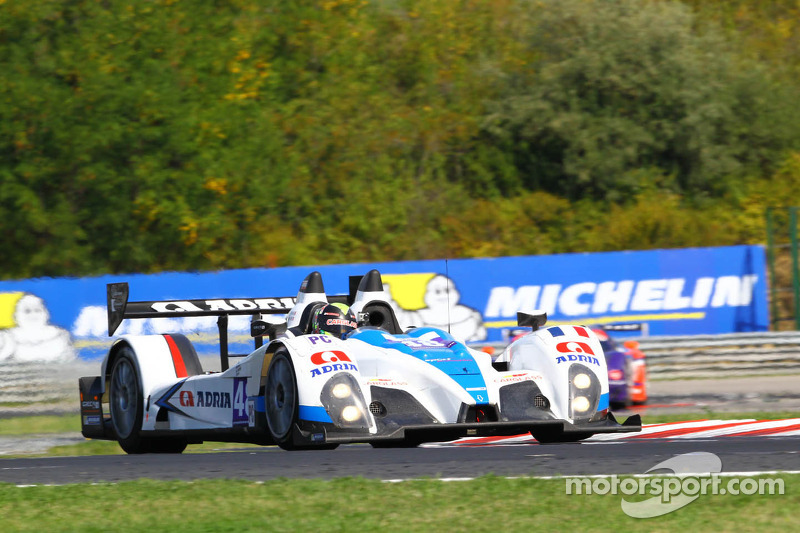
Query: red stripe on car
(177, 358)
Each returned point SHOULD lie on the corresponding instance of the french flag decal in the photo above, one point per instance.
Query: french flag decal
(581, 331)
(556, 331)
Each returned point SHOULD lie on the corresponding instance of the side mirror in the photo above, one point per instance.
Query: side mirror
(258, 328)
(533, 320)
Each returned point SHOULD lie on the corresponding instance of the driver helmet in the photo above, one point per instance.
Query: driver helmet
(334, 319)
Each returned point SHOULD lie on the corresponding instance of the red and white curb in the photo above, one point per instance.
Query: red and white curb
(695, 429)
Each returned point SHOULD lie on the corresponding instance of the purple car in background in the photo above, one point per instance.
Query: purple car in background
(627, 371)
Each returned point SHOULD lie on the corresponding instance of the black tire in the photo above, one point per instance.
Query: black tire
(281, 399)
(126, 405)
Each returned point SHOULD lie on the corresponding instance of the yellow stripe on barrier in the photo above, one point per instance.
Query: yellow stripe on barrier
(699, 315)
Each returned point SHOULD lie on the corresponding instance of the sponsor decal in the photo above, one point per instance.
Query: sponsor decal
(239, 304)
(205, 399)
(646, 295)
(186, 398)
(516, 378)
(326, 369)
(240, 415)
(341, 322)
(330, 356)
(420, 343)
(381, 382)
(325, 339)
(90, 404)
(91, 420)
(616, 374)
(331, 361)
(574, 347)
(221, 400)
(578, 358)
(251, 412)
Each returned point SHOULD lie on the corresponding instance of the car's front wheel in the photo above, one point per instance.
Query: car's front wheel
(281, 399)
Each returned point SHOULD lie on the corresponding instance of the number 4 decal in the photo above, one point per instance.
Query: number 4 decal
(240, 417)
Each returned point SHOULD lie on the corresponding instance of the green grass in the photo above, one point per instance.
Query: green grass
(26, 425)
(107, 447)
(355, 504)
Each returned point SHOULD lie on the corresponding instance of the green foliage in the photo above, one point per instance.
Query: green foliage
(176, 135)
(631, 96)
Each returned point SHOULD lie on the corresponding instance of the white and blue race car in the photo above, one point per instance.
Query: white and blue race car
(302, 390)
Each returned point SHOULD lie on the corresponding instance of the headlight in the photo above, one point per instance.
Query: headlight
(343, 400)
(341, 390)
(580, 404)
(584, 393)
(582, 381)
(351, 413)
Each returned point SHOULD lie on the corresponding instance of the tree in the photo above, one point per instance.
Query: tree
(627, 96)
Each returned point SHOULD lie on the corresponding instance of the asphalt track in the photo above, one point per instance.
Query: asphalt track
(765, 448)
(629, 456)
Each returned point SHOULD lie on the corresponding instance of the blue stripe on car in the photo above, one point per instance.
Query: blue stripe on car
(259, 403)
(313, 414)
(459, 364)
(556, 331)
(603, 403)
(440, 351)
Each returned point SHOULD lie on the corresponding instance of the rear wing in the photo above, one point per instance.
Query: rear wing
(119, 308)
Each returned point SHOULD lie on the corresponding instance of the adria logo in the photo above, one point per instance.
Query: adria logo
(574, 347)
(330, 356)
(187, 398)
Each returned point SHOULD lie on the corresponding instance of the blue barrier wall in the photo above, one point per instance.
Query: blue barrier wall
(674, 292)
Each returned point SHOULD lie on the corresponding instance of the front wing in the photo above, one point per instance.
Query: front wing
(310, 433)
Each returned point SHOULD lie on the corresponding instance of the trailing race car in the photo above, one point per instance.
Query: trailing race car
(333, 375)
(627, 369)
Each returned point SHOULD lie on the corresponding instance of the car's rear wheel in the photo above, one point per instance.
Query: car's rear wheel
(281, 401)
(126, 405)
